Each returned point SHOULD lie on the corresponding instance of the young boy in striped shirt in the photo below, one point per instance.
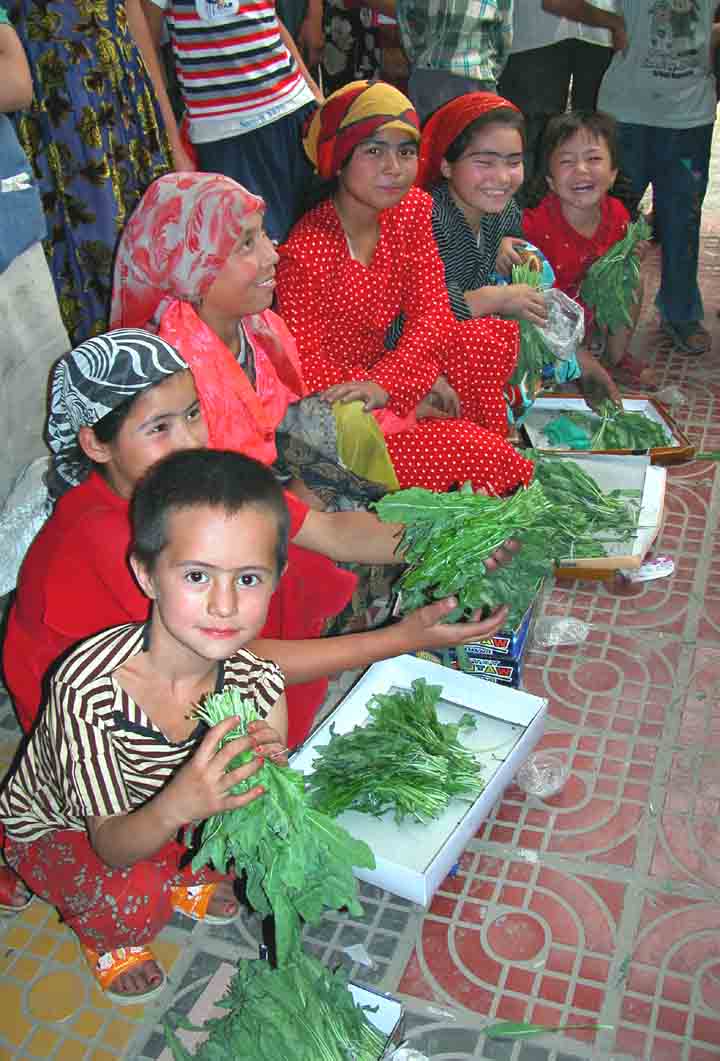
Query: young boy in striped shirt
(117, 764)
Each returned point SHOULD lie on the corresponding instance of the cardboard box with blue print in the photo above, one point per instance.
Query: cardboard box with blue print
(497, 659)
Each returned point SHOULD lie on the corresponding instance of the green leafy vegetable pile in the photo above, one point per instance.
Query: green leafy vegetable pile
(301, 1012)
(534, 353)
(448, 537)
(617, 429)
(611, 283)
(298, 861)
(404, 759)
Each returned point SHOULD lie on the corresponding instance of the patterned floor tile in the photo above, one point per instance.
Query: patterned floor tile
(670, 1009)
(615, 680)
(596, 816)
(518, 941)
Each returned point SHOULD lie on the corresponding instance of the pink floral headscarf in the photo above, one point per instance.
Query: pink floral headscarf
(178, 239)
(176, 242)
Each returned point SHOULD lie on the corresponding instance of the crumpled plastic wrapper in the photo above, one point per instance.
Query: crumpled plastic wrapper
(406, 1053)
(565, 326)
(550, 631)
(21, 517)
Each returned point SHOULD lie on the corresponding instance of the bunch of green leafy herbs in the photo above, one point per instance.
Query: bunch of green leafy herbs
(301, 1012)
(617, 429)
(448, 538)
(402, 759)
(534, 353)
(298, 861)
(612, 282)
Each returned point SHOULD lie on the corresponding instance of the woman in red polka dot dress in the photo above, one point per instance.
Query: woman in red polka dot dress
(361, 287)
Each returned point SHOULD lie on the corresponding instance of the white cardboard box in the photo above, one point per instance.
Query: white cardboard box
(549, 408)
(413, 858)
(623, 473)
(388, 1018)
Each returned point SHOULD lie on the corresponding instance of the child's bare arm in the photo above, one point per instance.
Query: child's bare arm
(293, 49)
(582, 11)
(145, 21)
(508, 300)
(198, 790)
(16, 88)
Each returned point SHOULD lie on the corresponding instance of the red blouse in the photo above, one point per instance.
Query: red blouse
(569, 252)
(339, 310)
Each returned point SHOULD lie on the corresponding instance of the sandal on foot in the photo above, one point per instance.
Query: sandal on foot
(689, 337)
(106, 968)
(9, 885)
(633, 372)
(193, 901)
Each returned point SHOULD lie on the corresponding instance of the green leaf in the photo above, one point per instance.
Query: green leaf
(521, 1030)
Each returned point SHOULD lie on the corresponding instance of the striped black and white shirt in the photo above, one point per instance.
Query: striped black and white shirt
(469, 260)
(95, 751)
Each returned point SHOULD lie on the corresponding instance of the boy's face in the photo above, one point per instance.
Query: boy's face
(163, 419)
(580, 171)
(488, 173)
(212, 582)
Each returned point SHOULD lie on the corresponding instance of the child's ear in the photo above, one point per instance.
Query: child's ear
(92, 447)
(445, 169)
(142, 577)
(550, 182)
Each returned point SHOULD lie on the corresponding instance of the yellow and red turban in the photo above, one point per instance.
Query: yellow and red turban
(446, 124)
(351, 115)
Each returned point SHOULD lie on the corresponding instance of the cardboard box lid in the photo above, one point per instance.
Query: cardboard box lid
(547, 408)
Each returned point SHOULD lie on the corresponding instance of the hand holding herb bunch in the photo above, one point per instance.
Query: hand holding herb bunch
(298, 861)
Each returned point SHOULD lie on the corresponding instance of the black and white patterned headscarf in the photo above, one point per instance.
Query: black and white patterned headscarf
(91, 381)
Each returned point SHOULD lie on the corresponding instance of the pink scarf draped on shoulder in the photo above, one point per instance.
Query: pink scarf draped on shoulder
(175, 244)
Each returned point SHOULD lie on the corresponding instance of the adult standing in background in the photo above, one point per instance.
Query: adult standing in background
(453, 47)
(94, 136)
(661, 90)
(553, 59)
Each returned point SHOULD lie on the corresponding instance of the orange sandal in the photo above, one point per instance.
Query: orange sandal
(193, 901)
(633, 372)
(106, 968)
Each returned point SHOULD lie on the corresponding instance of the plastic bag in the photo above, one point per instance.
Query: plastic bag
(565, 326)
(672, 395)
(23, 514)
(543, 774)
(556, 630)
(406, 1053)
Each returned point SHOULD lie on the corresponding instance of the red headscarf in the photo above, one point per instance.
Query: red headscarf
(351, 115)
(446, 124)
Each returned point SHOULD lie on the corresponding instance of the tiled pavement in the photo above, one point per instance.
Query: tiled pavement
(602, 903)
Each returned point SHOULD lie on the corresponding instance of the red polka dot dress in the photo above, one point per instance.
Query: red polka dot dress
(391, 322)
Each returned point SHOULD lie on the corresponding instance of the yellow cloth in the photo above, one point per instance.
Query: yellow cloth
(351, 115)
(361, 446)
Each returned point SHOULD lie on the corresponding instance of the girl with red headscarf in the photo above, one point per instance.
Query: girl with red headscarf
(362, 289)
(471, 161)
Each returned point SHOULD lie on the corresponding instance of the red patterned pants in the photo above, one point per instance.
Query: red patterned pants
(105, 907)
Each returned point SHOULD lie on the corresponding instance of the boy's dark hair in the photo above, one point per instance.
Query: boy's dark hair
(562, 127)
(559, 129)
(506, 116)
(192, 478)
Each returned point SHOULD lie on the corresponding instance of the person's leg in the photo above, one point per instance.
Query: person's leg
(269, 161)
(634, 143)
(537, 81)
(478, 364)
(429, 89)
(107, 908)
(441, 454)
(589, 63)
(680, 162)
